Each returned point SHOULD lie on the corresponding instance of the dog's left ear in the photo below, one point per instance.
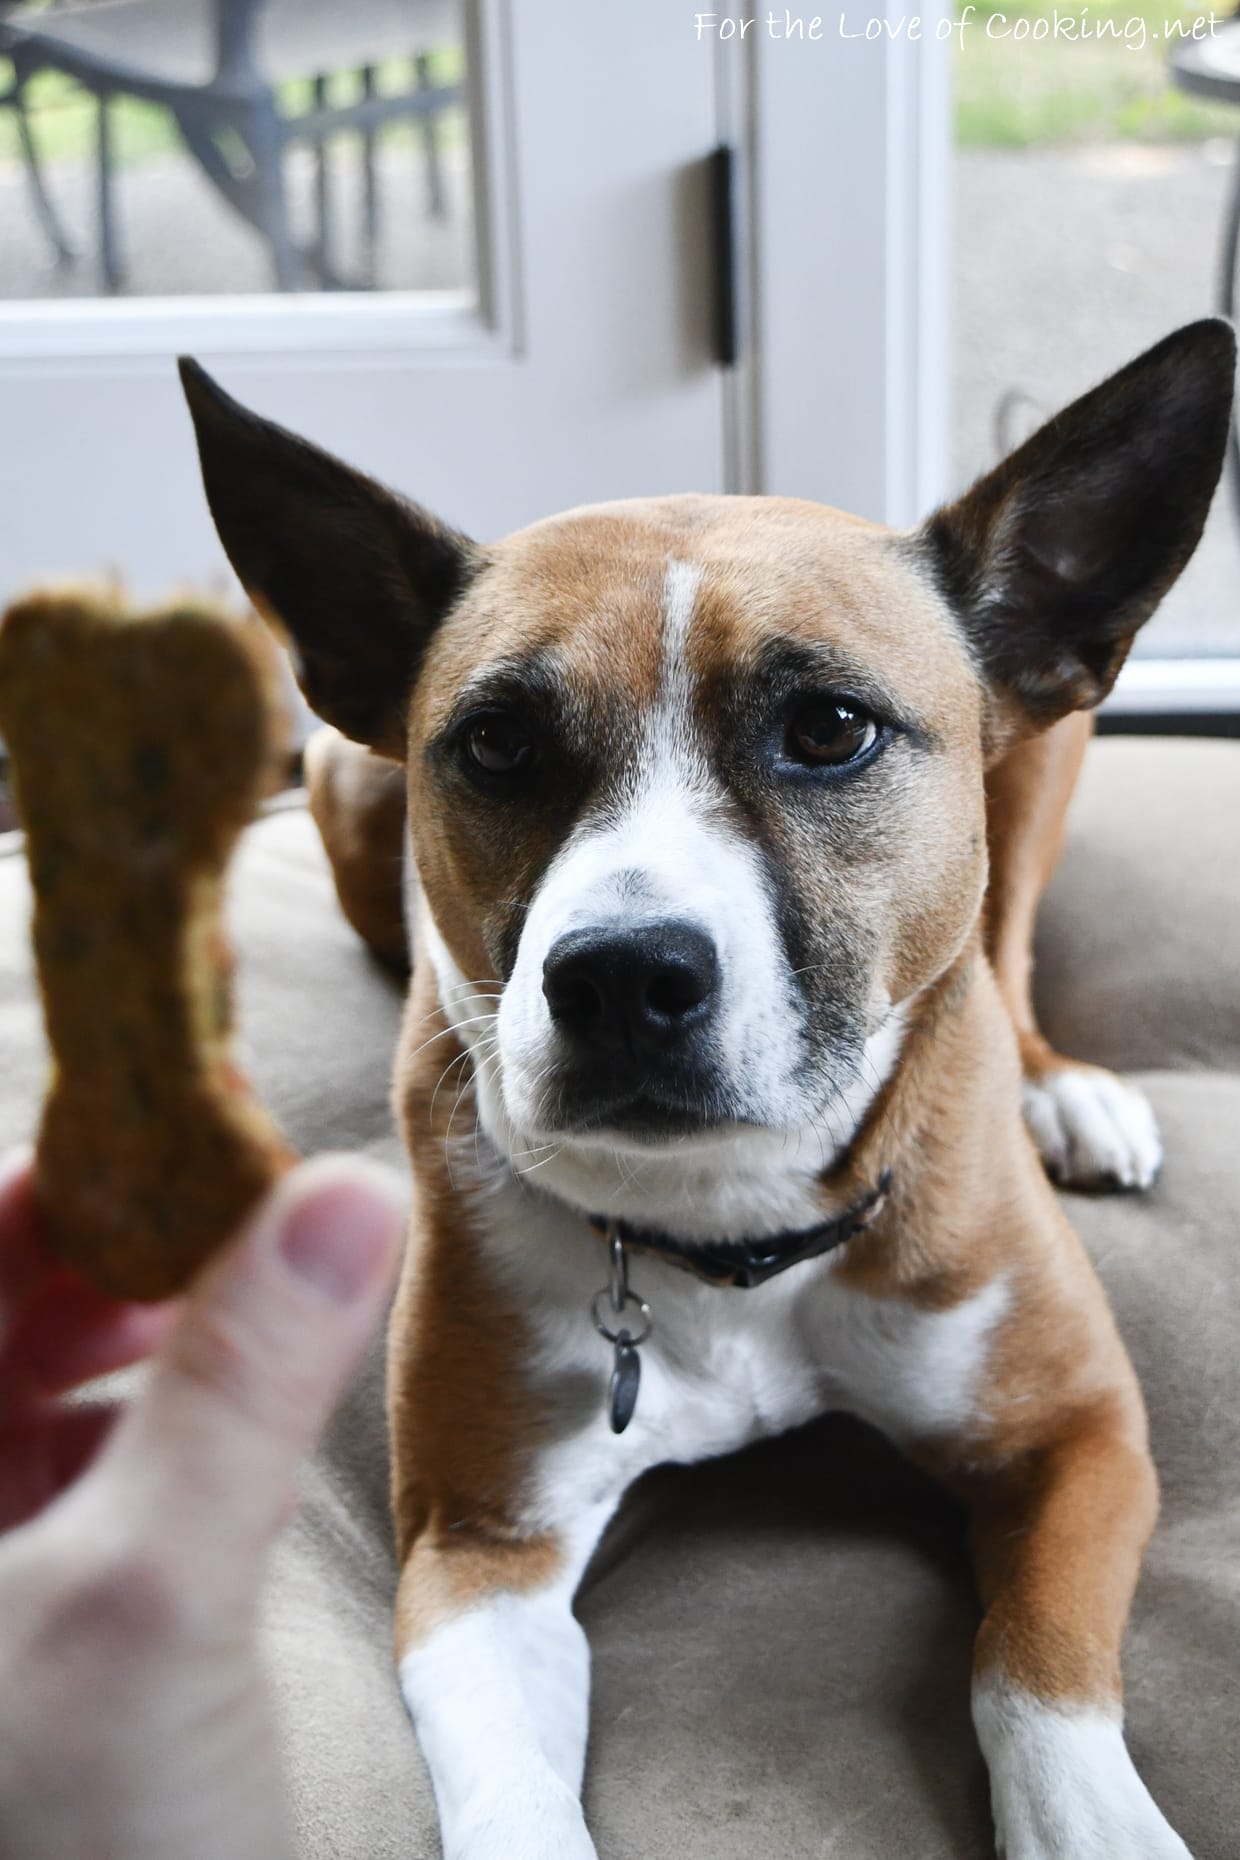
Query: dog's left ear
(1054, 559)
(355, 576)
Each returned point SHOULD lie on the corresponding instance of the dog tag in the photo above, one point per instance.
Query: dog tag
(626, 1379)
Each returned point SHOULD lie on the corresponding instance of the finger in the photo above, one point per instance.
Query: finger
(69, 1332)
(206, 1461)
(43, 1449)
(76, 1435)
(26, 1257)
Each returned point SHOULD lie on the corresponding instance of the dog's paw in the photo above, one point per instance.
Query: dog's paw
(535, 1823)
(1092, 1130)
(1063, 1786)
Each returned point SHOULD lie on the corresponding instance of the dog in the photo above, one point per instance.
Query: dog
(728, 819)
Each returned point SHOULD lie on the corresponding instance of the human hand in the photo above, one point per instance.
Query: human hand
(134, 1718)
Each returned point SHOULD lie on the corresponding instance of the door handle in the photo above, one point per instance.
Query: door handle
(725, 331)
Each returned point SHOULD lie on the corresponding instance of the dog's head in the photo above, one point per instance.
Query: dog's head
(696, 783)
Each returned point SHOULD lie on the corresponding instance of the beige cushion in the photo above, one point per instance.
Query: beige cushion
(781, 1639)
(1139, 935)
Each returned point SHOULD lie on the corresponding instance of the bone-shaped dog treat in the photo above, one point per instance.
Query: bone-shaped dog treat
(141, 745)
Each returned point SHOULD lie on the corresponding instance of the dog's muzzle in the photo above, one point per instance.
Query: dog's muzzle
(634, 1007)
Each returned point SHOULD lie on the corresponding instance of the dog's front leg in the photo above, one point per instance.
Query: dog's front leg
(497, 1685)
(1091, 1128)
(1058, 1539)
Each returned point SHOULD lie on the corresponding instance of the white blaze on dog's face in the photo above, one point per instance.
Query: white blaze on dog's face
(696, 786)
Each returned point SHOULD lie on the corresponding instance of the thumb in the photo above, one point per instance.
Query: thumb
(204, 1464)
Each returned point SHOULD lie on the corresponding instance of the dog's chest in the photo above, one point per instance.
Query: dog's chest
(724, 1367)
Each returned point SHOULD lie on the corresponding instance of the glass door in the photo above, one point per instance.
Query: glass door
(464, 244)
(485, 249)
(1095, 200)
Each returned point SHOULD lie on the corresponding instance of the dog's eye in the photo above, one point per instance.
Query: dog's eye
(497, 743)
(829, 732)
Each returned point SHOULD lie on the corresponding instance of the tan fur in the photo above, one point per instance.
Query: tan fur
(823, 577)
(1054, 1468)
(1060, 1488)
(1056, 1472)
(463, 1422)
(815, 736)
(358, 802)
(1027, 796)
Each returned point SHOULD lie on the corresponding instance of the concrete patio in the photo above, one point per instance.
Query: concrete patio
(1068, 263)
(179, 237)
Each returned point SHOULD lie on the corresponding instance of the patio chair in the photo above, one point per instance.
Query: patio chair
(13, 98)
(217, 67)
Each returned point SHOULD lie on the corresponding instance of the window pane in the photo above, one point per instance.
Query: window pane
(1090, 203)
(191, 147)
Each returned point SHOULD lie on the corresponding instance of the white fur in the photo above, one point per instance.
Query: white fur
(1091, 1127)
(1062, 1784)
(722, 1367)
(680, 592)
(725, 1185)
(671, 852)
(739, 1183)
(499, 1696)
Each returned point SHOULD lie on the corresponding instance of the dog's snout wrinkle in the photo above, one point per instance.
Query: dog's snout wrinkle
(637, 990)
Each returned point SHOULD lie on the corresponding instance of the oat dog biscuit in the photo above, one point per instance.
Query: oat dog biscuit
(141, 745)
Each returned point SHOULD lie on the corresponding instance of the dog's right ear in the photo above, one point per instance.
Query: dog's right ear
(1056, 557)
(355, 576)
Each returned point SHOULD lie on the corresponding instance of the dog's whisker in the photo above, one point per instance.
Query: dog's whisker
(456, 1105)
(467, 1084)
(534, 1085)
(542, 1164)
(460, 1059)
(455, 1027)
(453, 998)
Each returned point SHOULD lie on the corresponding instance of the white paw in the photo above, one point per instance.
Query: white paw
(541, 1822)
(1092, 1129)
(1062, 1785)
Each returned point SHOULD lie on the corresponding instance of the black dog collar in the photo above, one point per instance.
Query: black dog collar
(746, 1263)
(741, 1264)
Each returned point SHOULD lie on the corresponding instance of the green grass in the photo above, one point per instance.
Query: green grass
(1009, 94)
(1021, 94)
(63, 115)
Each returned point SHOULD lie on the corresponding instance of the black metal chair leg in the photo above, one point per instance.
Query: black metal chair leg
(40, 199)
(436, 200)
(109, 257)
(1228, 286)
(262, 134)
(370, 188)
(322, 181)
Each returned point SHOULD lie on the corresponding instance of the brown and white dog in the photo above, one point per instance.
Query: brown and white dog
(729, 817)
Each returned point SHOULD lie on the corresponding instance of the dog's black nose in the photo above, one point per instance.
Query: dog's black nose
(641, 990)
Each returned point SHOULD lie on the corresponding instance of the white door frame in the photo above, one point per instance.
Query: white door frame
(840, 393)
(843, 395)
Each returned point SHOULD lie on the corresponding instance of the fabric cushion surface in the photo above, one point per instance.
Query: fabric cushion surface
(1138, 947)
(782, 1638)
